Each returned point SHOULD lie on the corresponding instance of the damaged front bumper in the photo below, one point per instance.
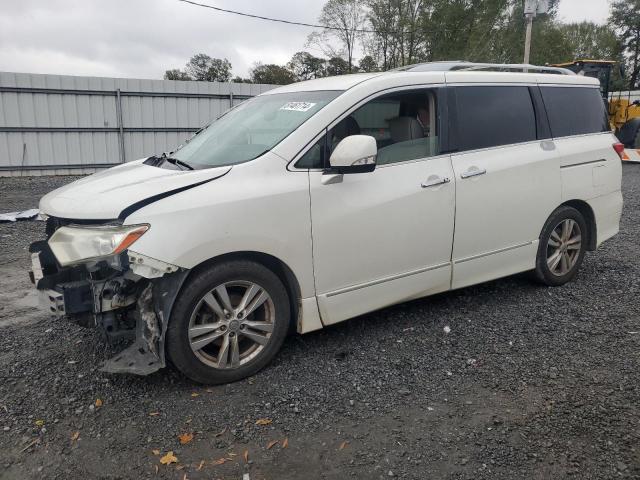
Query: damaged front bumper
(128, 296)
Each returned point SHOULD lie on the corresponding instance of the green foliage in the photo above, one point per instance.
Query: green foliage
(401, 36)
(588, 41)
(345, 17)
(271, 74)
(337, 66)
(306, 66)
(204, 68)
(176, 74)
(625, 19)
(239, 79)
(367, 64)
(409, 31)
(403, 32)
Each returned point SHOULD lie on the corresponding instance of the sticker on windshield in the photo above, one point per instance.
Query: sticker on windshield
(298, 106)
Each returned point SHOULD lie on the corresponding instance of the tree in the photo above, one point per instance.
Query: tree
(204, 68)
(344, 19)
(337, 66)
(397, 39)
(367, 64)
(625, 19)
(473, 30)
(549, 43)
(306, 66)
(176, 74)
(271, 74)
(590, 40)
(239, 79)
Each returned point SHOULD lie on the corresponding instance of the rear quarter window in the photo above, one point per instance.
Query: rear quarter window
(574, 111)
(490, 116)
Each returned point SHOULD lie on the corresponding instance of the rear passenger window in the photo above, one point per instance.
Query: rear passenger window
(574, 110)
(493, 116)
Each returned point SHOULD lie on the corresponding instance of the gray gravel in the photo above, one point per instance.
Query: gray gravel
(529, 383)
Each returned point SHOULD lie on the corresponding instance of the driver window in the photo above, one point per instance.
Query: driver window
(403, 124)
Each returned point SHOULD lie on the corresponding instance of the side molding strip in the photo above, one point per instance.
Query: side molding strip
(386, 279)
(583, 163)
(486, 254)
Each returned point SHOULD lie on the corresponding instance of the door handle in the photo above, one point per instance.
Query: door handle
(547, 145)
(432, 182)
(473, 172)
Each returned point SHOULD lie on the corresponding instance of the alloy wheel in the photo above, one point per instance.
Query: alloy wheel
(231, 324)
(563, 247)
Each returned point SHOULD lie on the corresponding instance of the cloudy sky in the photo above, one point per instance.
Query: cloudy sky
(143, 38)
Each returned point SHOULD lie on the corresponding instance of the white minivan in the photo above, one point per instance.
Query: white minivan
(327, 199)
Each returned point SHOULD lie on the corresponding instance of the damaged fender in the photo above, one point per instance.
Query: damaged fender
(147, 355)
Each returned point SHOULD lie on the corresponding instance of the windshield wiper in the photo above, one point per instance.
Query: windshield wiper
(176, 162)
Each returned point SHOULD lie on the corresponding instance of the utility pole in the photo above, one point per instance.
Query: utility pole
(531, 9)
(527, 38)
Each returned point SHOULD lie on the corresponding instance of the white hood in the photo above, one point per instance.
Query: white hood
(104, 195)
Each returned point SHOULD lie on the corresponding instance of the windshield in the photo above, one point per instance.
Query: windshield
(252, 128)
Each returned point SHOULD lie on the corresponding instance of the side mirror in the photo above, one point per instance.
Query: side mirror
(354, 154)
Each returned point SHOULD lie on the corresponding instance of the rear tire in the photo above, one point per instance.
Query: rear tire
(562, 246)
(228, 322)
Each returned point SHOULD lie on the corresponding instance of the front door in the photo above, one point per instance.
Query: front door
(384, 237)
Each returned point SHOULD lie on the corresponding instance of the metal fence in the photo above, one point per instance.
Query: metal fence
(631, 95)
(57, 124)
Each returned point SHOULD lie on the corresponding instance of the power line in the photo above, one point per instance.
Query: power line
(289, 22)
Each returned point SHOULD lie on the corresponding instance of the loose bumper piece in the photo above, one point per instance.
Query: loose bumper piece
(126, 296)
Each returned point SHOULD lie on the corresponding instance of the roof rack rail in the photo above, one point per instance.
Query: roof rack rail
(472, 66)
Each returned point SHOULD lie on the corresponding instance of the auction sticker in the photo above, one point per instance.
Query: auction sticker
(298, 106)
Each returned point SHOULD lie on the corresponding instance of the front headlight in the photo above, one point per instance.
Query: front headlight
(78, 244)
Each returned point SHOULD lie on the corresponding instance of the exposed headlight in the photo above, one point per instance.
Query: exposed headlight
(73, 245)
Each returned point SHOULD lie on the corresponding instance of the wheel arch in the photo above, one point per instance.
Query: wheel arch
(587, 212)
(277, 266)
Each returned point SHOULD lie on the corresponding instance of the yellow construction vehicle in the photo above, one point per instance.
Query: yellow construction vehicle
(623, 108)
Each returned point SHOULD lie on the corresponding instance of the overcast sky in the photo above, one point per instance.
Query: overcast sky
(143, 38)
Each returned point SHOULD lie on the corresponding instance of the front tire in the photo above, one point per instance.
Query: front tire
(228, 322)
(562, 246)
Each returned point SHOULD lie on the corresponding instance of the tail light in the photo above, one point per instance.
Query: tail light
(619, 148)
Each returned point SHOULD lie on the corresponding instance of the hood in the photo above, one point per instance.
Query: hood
(118, 191)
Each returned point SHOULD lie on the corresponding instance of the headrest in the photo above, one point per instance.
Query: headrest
(404, 129)
(347, 127)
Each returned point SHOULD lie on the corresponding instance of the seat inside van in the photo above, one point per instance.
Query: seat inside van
(409, 142)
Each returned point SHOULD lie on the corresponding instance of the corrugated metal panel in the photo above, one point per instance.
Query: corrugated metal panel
(48, 122)
(631, 95)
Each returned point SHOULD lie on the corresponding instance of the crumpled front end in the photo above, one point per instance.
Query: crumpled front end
(125, 295)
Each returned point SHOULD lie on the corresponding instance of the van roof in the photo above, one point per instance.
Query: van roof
(339, 82)
(456, 71)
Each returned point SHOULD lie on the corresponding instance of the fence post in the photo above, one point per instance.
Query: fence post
(230, 98)
(120, 126)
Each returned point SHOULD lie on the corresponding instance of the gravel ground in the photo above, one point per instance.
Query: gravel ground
(531, 383)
